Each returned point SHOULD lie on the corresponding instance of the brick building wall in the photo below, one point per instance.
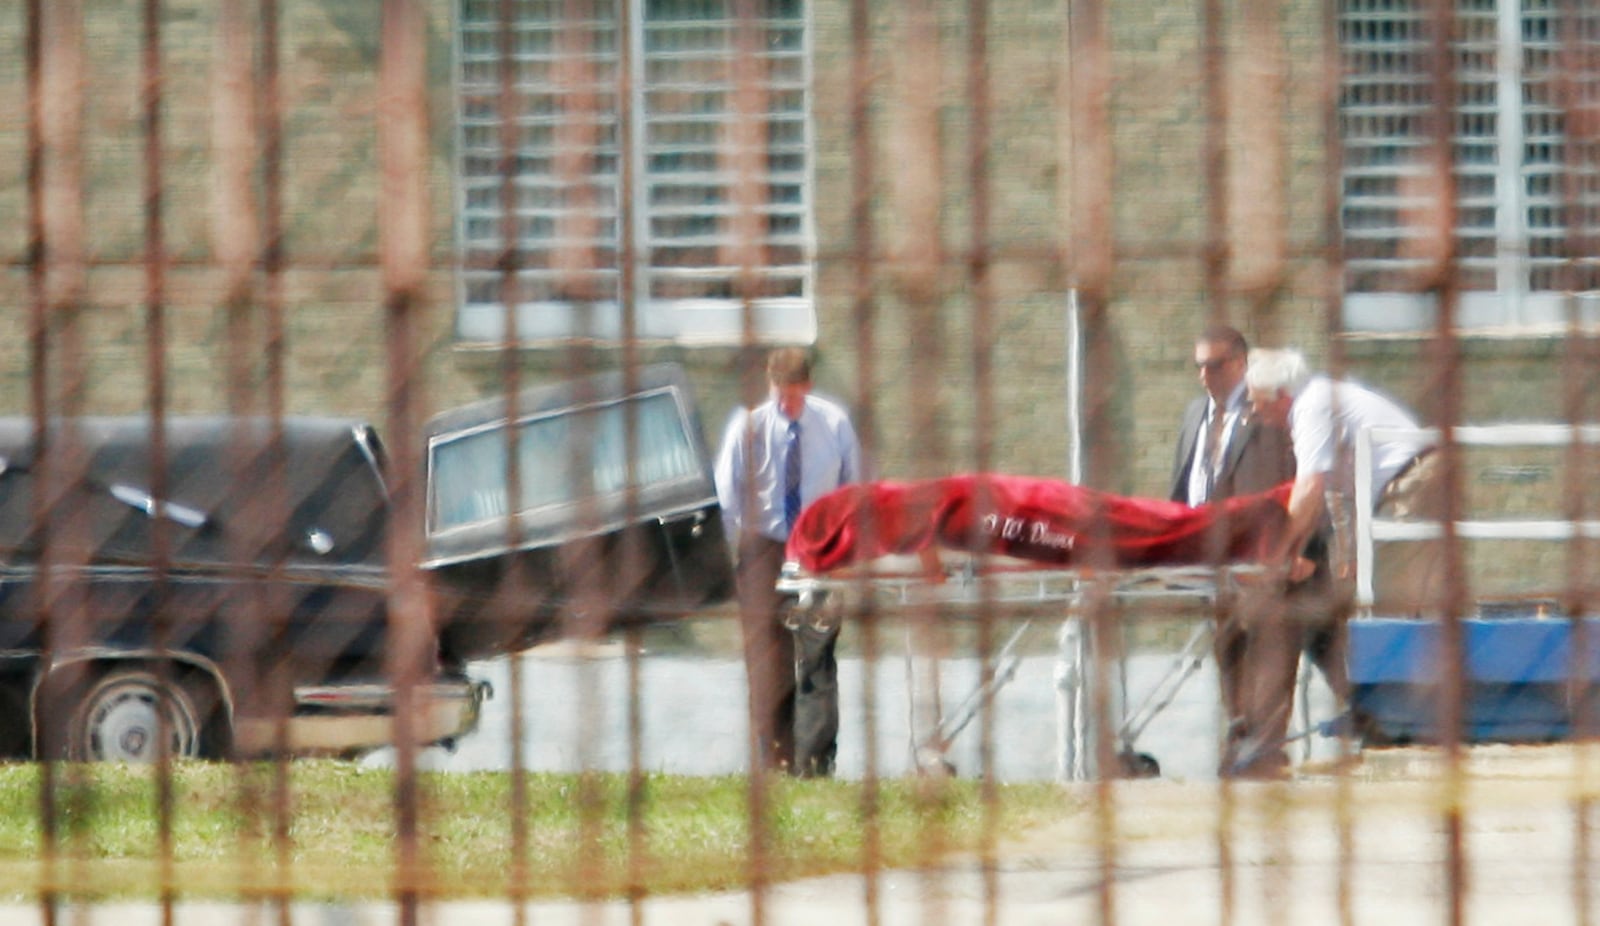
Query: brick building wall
(335, 348)
(330, 196)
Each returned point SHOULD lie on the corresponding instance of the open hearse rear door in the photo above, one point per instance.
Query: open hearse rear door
(580, 506)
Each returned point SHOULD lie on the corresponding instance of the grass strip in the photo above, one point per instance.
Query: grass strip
(693, 832)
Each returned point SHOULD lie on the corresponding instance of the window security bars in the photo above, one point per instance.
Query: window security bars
(1526, 189)
(707, 110)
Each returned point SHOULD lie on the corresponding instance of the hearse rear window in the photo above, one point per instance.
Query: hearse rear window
(564, 457)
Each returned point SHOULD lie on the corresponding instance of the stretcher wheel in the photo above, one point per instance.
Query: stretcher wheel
(1138, 764)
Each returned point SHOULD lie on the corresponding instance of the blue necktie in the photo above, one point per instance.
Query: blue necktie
(791, 479)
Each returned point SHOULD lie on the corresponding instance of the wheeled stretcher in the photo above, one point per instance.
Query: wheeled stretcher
(1009, 546)
(1015, 545)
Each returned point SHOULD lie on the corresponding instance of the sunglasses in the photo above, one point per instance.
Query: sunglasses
(1214, 364)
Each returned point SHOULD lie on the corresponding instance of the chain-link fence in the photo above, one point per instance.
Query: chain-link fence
(392, 476)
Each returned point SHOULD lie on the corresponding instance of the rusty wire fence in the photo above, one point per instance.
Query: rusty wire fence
(359, 349)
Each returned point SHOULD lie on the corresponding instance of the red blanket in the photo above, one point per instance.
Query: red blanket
(1044, 520)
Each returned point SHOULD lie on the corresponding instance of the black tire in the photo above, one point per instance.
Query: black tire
(115, 717)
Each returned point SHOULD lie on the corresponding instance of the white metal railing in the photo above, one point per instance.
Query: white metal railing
(1371, 529)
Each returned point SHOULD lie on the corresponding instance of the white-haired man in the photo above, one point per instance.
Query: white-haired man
(1323, 416)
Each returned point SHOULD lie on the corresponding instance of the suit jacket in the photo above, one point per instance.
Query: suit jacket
(1258, 457)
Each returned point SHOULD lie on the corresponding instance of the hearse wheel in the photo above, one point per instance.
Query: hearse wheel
(116, 718)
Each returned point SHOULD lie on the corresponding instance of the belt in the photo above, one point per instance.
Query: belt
(1411, 464)
(1422, 454)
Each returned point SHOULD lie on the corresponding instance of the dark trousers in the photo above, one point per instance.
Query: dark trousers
(1258, 648)
(791, 669)
(1266, 654)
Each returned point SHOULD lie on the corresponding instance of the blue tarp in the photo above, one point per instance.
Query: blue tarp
(1519, 676)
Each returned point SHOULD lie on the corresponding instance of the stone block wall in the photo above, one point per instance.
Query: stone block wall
(915, 377)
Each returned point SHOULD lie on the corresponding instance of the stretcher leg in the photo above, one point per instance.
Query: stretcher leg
(1186, 664)
(1005, 669)
(928, 750)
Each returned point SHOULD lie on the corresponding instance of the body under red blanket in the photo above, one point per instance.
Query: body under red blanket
(1048, 521)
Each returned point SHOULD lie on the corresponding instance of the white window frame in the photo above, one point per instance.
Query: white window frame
(1515, 303)
(718, 319)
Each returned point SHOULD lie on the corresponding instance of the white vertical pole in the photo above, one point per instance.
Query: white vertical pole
(1073, 740)
(1074, 376)
(1074, 759)
(1363, 506)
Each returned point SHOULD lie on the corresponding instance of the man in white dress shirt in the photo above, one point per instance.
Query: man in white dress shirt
(1324, 416)
(775, 459)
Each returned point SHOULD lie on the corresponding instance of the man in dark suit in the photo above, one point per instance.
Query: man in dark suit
(1222, 451)
(1236, 456)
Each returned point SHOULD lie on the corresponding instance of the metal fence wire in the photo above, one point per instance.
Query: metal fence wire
(366, 545)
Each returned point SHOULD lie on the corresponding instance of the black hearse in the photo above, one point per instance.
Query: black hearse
(248, 583)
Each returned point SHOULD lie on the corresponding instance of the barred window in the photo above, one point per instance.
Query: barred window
(1526, 148)
(717, 132)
